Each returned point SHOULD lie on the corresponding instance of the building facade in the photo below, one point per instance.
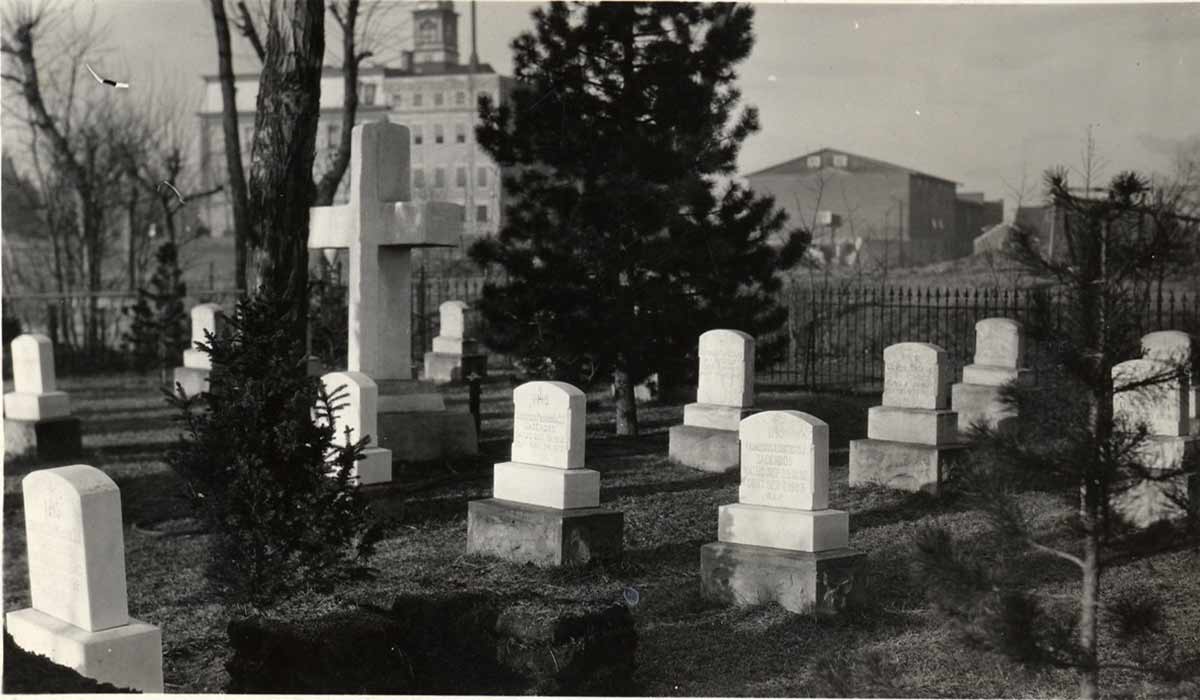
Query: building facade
(431, 93)
(864, 210)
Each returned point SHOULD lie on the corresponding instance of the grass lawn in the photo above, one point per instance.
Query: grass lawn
(686, 645)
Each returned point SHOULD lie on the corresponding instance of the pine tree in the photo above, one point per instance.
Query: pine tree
(624, 237)
(159, 331)
(1070, 442)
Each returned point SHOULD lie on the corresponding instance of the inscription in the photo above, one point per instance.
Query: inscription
(542, 431)
(776, 471)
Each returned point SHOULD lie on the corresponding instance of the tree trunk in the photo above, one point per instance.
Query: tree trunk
(281, 185)
(233, 148)
(626, 403)
(328, 186)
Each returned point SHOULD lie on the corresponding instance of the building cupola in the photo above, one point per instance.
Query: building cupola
(435, 32)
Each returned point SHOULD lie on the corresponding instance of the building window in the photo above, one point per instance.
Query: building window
(418, 135)
(813, 161)
(460, 176)
(427, 32)
(460, 133)
(481, 214)
(840, 161)
(439, 134)
(419, 178)
(481, 177)
(460, 98)
(366, 93)
(437, 99)
(439, 177)
(418, 98)
(397, 99)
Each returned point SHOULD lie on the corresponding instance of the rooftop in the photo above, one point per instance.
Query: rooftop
(857, 163)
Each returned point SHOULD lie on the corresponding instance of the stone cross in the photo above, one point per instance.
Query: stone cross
(76, 546)
(726, 368)
(35, 394)
(205, 317)
(380, 227)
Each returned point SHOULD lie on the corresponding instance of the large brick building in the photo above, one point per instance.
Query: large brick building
(431, 92)
(870, 211)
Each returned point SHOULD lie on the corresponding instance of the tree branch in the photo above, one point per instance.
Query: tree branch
(248, 30)
(1056, 553)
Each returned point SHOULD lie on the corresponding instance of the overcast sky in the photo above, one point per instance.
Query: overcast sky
(982, 95)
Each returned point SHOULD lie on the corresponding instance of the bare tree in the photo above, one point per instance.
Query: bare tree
(236, 186)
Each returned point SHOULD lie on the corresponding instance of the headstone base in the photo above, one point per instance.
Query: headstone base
(996, 376)
(545, 536)
(443, 368)
(375, 467)
(783, 528)
(193, 380)
(129, 656)
(710, 415)
(57, 438)
(920, 425)
(707, 449)
(422, 436)
(980, 403)
(47, 405)
(549, 487)
(742, 574)
(900, 465)
(1149, 502)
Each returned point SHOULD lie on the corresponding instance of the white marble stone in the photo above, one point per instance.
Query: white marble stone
(916, 375)
(548, 425)
(33, 364)
(36, 407)
(785, 460)
(454, 346)
(783, 528)
(1162, 404)
(451, 317)
(76, 546)
(357, 408)
(380, 228)
(129, 656)
(548, 487)
(992, 375)
(205, 318)
(374, 468)
(707, 415)
(999, 342)
(919, 425)
(1173, 347)
(726, 368)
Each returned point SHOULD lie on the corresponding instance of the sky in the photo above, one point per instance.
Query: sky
(988, 96)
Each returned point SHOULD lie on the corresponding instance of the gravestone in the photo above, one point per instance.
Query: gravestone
(999, 356)
(707, 439)
(1161, 407)
(1177, 348)
(781, 542)
(37, 416)
(913, 435)
(379, 227)
(359, 405)
(197, 364)
(545, 503)
(454, 356)
(79, 616)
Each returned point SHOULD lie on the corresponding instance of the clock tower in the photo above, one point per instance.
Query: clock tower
(435, 32)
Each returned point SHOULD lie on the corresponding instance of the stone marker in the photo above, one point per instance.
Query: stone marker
(707, 439)
(545, 504)
(913, 434)
(1177, 348)
(37, 416)
(454, 356)
(781, 542)
(999, 356)
(359, 412)
(380, 227)
(1161, 406)
(76, 549)
(197, 364)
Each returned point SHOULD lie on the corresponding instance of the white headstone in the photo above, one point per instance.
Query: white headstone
(357, 407)
(726, 368)
(33, 364)
(1161, 404)
(380, 228)
(999, 342)
(1173, 347)
(548, 425)
(916, 375)
(452, 324)
(785, 460)
(206, 318)
(76, 546)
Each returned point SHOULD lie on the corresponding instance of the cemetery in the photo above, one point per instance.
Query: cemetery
(633, 462)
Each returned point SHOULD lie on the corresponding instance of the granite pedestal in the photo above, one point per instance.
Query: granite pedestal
(522, 532)
(49, 439)
(905, 466)
(742, 574)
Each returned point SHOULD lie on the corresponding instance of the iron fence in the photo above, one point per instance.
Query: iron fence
(836, 335)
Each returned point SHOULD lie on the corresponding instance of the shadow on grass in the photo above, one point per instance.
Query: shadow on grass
(129, 424)
(707, 482)
(650, 445)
